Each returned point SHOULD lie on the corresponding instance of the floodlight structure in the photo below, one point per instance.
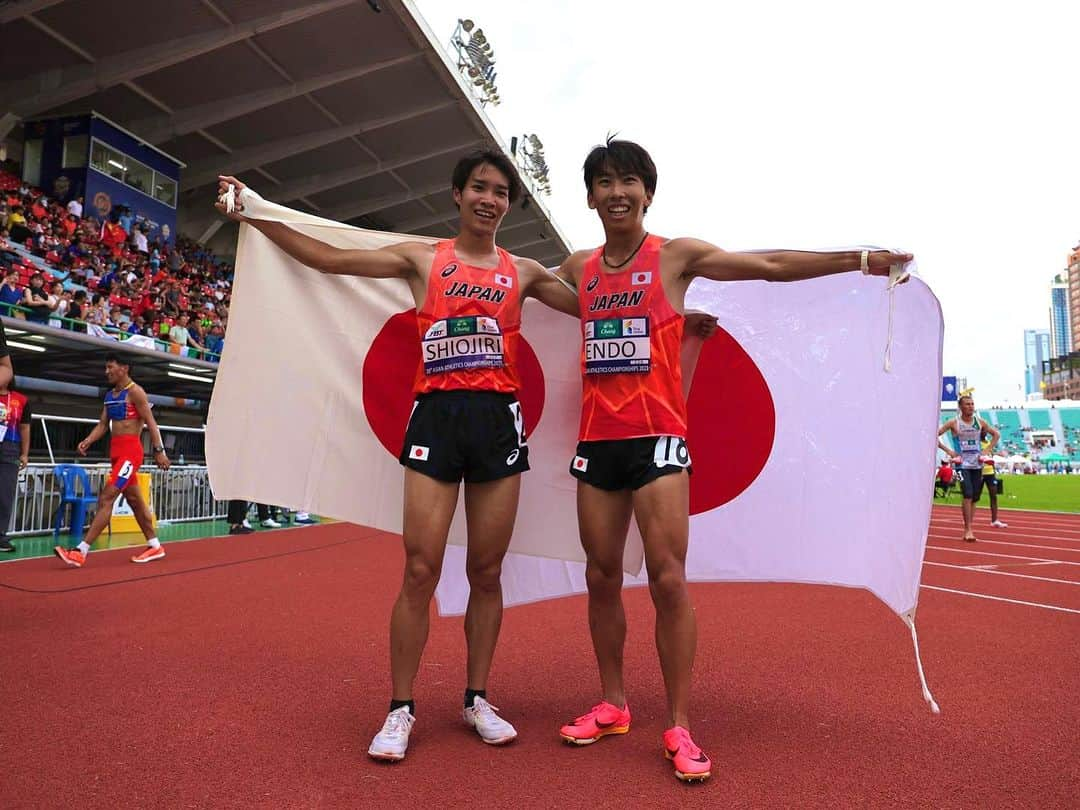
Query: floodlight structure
(531, 159)
(476, 61)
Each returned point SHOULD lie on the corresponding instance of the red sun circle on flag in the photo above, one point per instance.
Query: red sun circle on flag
(731, 423)
(390, 369)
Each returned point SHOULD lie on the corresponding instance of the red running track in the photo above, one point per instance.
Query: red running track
(243, 672)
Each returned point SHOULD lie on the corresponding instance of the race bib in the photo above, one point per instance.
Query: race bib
(671, 451)
(615, 345)
(454, 344)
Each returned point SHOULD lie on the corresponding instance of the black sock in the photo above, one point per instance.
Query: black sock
(397, 704)
(474, 693)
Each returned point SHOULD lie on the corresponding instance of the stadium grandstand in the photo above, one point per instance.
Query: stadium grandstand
(1039, 436)
(110, 149)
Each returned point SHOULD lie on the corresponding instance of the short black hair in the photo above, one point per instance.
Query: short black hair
(113, 357)
(622, 157)
(500, 161)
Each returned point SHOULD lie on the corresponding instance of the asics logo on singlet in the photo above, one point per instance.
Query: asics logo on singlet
(592, 284)
(510, 459)
(617, 300)
(462, 289)
(448, 270)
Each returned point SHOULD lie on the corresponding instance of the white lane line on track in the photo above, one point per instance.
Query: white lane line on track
(1012, 527)
(982, 569)
(986, 527)
(1005, 543)
(1002, 599)
(1004, 556)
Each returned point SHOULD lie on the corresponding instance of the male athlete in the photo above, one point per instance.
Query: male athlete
(632, 458)
(992, 484)
(128, 409)
(969, 432)
(466, 422)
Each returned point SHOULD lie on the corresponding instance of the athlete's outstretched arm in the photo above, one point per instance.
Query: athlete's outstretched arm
(696, 258)
(556, 289)
(99, 430)
(142, 407)
(395, 261)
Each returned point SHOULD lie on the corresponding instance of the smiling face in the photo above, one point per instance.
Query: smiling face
(115, 372)
(484, 199)
(620, 198)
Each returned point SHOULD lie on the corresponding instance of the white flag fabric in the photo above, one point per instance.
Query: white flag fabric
(811, 463)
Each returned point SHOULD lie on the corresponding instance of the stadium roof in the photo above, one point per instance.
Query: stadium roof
(348, 109)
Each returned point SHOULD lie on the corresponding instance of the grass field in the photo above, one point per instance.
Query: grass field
(1055, 493)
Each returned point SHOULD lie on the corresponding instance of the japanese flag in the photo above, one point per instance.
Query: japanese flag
(810, 460)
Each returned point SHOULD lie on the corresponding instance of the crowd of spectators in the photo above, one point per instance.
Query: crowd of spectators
(64, 267)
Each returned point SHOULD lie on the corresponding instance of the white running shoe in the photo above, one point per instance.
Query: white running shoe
(393, 738)
(999, 524)
(492, 729)
(270, 523)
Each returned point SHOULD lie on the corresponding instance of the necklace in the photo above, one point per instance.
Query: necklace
(628, 258)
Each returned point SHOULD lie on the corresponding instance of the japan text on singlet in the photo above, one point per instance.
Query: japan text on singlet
(969, 438)
(631, 351)
(470, 325)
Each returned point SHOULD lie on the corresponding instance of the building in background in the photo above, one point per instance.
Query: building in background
(1073, 279)
(1061, 332)
(1036, 350)
(120, 177)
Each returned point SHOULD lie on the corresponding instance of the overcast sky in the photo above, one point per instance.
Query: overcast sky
(950, 129)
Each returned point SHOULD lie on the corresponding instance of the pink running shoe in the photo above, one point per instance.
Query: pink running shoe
(73, 558)
(149, 554)
(603, 719)
(691, 764)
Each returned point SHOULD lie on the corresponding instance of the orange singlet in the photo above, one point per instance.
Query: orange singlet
(470, 325)
(631, 353)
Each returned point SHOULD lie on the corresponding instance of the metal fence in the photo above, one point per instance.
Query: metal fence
(181, 493)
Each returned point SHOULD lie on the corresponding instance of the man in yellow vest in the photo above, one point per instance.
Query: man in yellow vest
(992, 484)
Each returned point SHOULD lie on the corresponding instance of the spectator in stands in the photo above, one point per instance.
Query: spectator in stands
(59, 300)
(944, 479)
(126, 219)
(215, 341)
(180, 335)
(139, 238)
(14, 439)
(37, 299)
(77, 311)
(75, 207)
(176, 261)
(16, 224)
(10, 293)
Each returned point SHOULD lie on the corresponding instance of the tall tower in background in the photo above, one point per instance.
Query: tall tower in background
(1036, 349)
(1061, 332)
(1072, 278)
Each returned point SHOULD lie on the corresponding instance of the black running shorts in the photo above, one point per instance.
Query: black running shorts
(971, 484)
(629, 463)
(477, 436)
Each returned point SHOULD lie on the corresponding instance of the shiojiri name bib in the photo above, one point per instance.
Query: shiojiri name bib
(617, 345)
(453, 344)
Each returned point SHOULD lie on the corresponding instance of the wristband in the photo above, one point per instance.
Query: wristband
(158, 449)
(864, 263)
